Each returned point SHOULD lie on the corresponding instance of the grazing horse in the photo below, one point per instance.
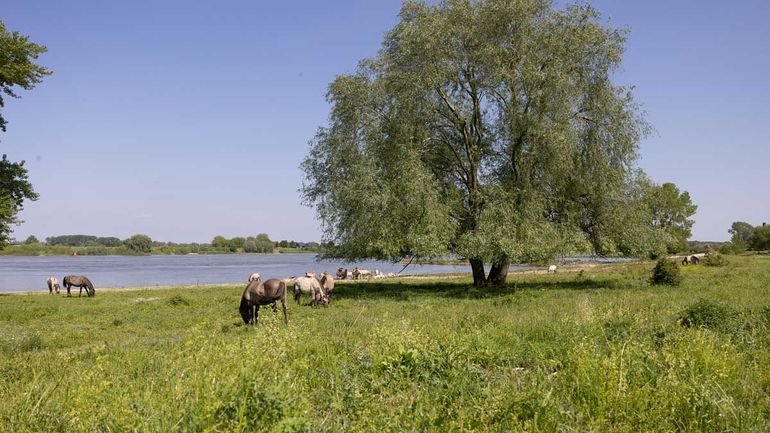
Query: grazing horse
(552, 268)
(258, 293)
(254, 277)
(327, 284)
(53, 284)
(311, 286)
(79, 281)
(361, 273)
(342, 274)
(685, 260)
(694, 260)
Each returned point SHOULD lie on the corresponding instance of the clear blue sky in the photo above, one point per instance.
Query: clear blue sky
(184, 120)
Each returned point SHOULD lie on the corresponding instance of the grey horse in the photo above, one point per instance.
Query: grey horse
(79, 281)
(258, 293)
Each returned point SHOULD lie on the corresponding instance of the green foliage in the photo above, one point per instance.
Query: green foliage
(714, 259)
(15, 188)
(139, 243)
(706, 314)
(259, 244)
(17, 67)
(666, 272)
(741, 231)
(491, 129)
(554, 354)
(83, 241)
(32, 239)
(671, 212)
(219, 242)
(760, 238)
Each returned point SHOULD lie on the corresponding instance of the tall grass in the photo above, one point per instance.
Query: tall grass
(597, 351)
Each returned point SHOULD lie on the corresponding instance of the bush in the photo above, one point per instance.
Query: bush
(714, 259)
(706, 314)
(666, 272)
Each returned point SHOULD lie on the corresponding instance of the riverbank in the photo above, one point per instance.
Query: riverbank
(576, 267)
(595, 350)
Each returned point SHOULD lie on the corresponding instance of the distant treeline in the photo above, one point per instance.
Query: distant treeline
(141, 244)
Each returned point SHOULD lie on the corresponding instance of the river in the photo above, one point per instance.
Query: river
(30, 273)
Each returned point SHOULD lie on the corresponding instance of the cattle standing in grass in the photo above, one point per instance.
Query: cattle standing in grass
(53, 285)
(254, 277)
(257, 294)
(79, 281)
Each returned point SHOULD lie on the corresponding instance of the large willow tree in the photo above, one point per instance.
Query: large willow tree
(491, 129)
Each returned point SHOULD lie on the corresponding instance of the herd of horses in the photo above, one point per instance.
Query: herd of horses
(257, 292)
(71, 281)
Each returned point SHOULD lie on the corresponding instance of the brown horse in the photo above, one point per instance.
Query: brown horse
(79, 281)
(258, 293)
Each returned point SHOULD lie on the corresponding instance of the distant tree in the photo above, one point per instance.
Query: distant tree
(283, 244)
(139, 243)
(72, 240)
(31, 240)
(741, 231)
(671, 212)
(235, 243)
(760, 238)
(219, 242)
(293, 244)
(108, 242)
(250, 246)
(17, 68)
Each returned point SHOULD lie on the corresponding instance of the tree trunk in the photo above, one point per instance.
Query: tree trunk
(498, 273)
(479, 278)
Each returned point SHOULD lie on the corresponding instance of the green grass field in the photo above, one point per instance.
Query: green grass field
(600, 350)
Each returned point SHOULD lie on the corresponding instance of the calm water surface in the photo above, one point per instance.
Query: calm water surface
(30, 273)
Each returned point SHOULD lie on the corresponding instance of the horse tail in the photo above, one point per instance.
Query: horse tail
(245, 310)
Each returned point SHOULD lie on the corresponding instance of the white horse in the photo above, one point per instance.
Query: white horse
(53, 284)
(311, 286)
(552, 268)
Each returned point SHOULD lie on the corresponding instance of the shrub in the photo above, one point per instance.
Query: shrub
(714, 259)
(666, 272)
(706, 314)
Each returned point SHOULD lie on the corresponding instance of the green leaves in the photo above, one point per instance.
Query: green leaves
(491, 129)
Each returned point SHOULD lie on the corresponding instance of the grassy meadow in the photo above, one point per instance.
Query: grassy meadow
(597, 350)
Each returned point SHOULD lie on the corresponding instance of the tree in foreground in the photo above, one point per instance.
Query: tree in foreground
(17, 68)
(490, 129)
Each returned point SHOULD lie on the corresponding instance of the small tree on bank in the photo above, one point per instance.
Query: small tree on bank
(490, 129)
(139, 243)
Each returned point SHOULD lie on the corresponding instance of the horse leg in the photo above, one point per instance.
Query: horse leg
(274, 307)
(81, 291)
(285, 316)
(68, 290)
(256, 314)
(297, 295)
